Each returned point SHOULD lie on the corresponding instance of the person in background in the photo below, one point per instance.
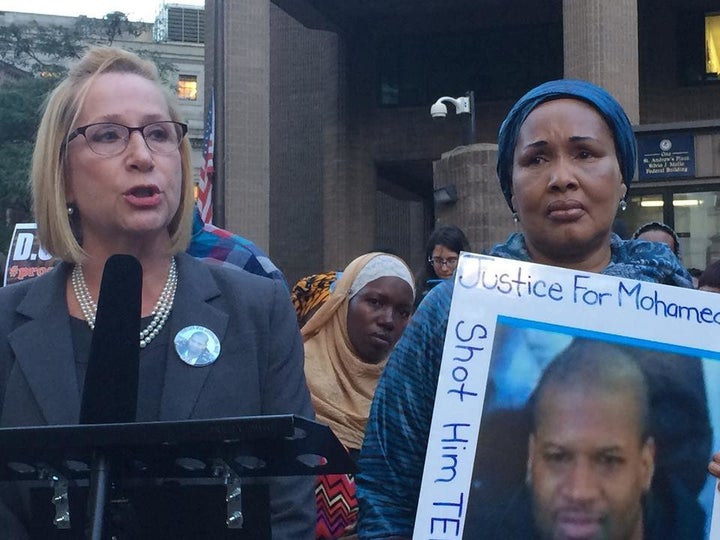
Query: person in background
(215, 244)
(347, 342)
(714, 467)
(695, 273)
(111, 173)
(655, 231)
(310, 293)
(566, 156)
(441, 257)
(710, 278)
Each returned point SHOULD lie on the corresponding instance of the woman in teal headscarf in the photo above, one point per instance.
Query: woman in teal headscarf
(565, 187)
(566, 157)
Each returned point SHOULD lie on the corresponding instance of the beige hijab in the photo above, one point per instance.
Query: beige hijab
(341, 384)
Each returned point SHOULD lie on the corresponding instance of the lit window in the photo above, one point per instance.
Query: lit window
(712, 44)
(187, 87)
(698, 46)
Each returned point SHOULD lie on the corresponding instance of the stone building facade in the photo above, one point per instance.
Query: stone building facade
(329, 145)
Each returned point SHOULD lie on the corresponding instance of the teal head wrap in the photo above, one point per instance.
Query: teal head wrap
(600, 99)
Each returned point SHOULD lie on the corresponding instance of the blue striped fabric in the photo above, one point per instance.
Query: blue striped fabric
(216, 244)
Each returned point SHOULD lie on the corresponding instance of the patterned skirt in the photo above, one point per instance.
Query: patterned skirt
(337, 506)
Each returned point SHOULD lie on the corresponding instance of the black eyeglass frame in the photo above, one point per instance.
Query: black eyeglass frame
(450, 261)
(82, 129)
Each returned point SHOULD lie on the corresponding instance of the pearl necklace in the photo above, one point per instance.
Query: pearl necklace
(160, 312)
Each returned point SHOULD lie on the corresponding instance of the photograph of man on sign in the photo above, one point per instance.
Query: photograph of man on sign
(611, 444)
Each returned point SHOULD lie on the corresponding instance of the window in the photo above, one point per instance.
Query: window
(695, 217)
(699, 47)
(187, 87)
(712, 44)
(415, 70)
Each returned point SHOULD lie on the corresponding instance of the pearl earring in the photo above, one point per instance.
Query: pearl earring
(622, 205)
(515, 217)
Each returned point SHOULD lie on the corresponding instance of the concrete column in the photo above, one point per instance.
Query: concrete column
(350, 183)
(350, 206)
(480, 211)
(245, 141)
(305, 138)
(601, 46)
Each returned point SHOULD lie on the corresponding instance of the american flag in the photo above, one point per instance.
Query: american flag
(207, 171)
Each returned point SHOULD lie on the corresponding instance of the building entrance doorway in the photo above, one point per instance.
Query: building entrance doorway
(694, 215)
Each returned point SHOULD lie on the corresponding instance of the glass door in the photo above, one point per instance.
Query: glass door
(694, 215)
(643, 209)
(697, 222)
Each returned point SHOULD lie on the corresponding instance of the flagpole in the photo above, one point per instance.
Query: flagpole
(207, 171)
(218, 193)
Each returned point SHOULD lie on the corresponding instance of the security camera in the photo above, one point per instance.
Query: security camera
(438, 110)
(463, 105)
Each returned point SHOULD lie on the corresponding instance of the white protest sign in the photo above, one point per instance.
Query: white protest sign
(26, 257)
(508, 320)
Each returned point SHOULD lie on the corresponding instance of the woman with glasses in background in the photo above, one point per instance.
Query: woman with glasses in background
(441, 258)
(111, 174)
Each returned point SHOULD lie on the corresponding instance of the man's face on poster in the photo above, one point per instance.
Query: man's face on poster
(588, 467)
(197, 343)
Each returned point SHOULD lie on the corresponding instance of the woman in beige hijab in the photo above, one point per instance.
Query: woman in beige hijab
(347, 343)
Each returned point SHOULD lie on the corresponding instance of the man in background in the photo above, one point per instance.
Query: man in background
(211, 242)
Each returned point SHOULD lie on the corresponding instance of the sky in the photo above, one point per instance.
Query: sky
(137, 10)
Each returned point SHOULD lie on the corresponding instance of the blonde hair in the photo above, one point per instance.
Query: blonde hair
(58, 232)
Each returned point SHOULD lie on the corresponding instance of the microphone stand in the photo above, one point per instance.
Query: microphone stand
(97, 499)
(111, 381)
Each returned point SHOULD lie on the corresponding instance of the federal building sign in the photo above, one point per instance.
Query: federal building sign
(664, 156)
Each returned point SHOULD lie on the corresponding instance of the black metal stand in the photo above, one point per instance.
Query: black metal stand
(99, 473)
(223, 452)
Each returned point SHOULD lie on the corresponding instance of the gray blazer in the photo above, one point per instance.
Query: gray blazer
(259, 370)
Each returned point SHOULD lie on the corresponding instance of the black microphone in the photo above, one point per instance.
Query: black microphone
(111, 382)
